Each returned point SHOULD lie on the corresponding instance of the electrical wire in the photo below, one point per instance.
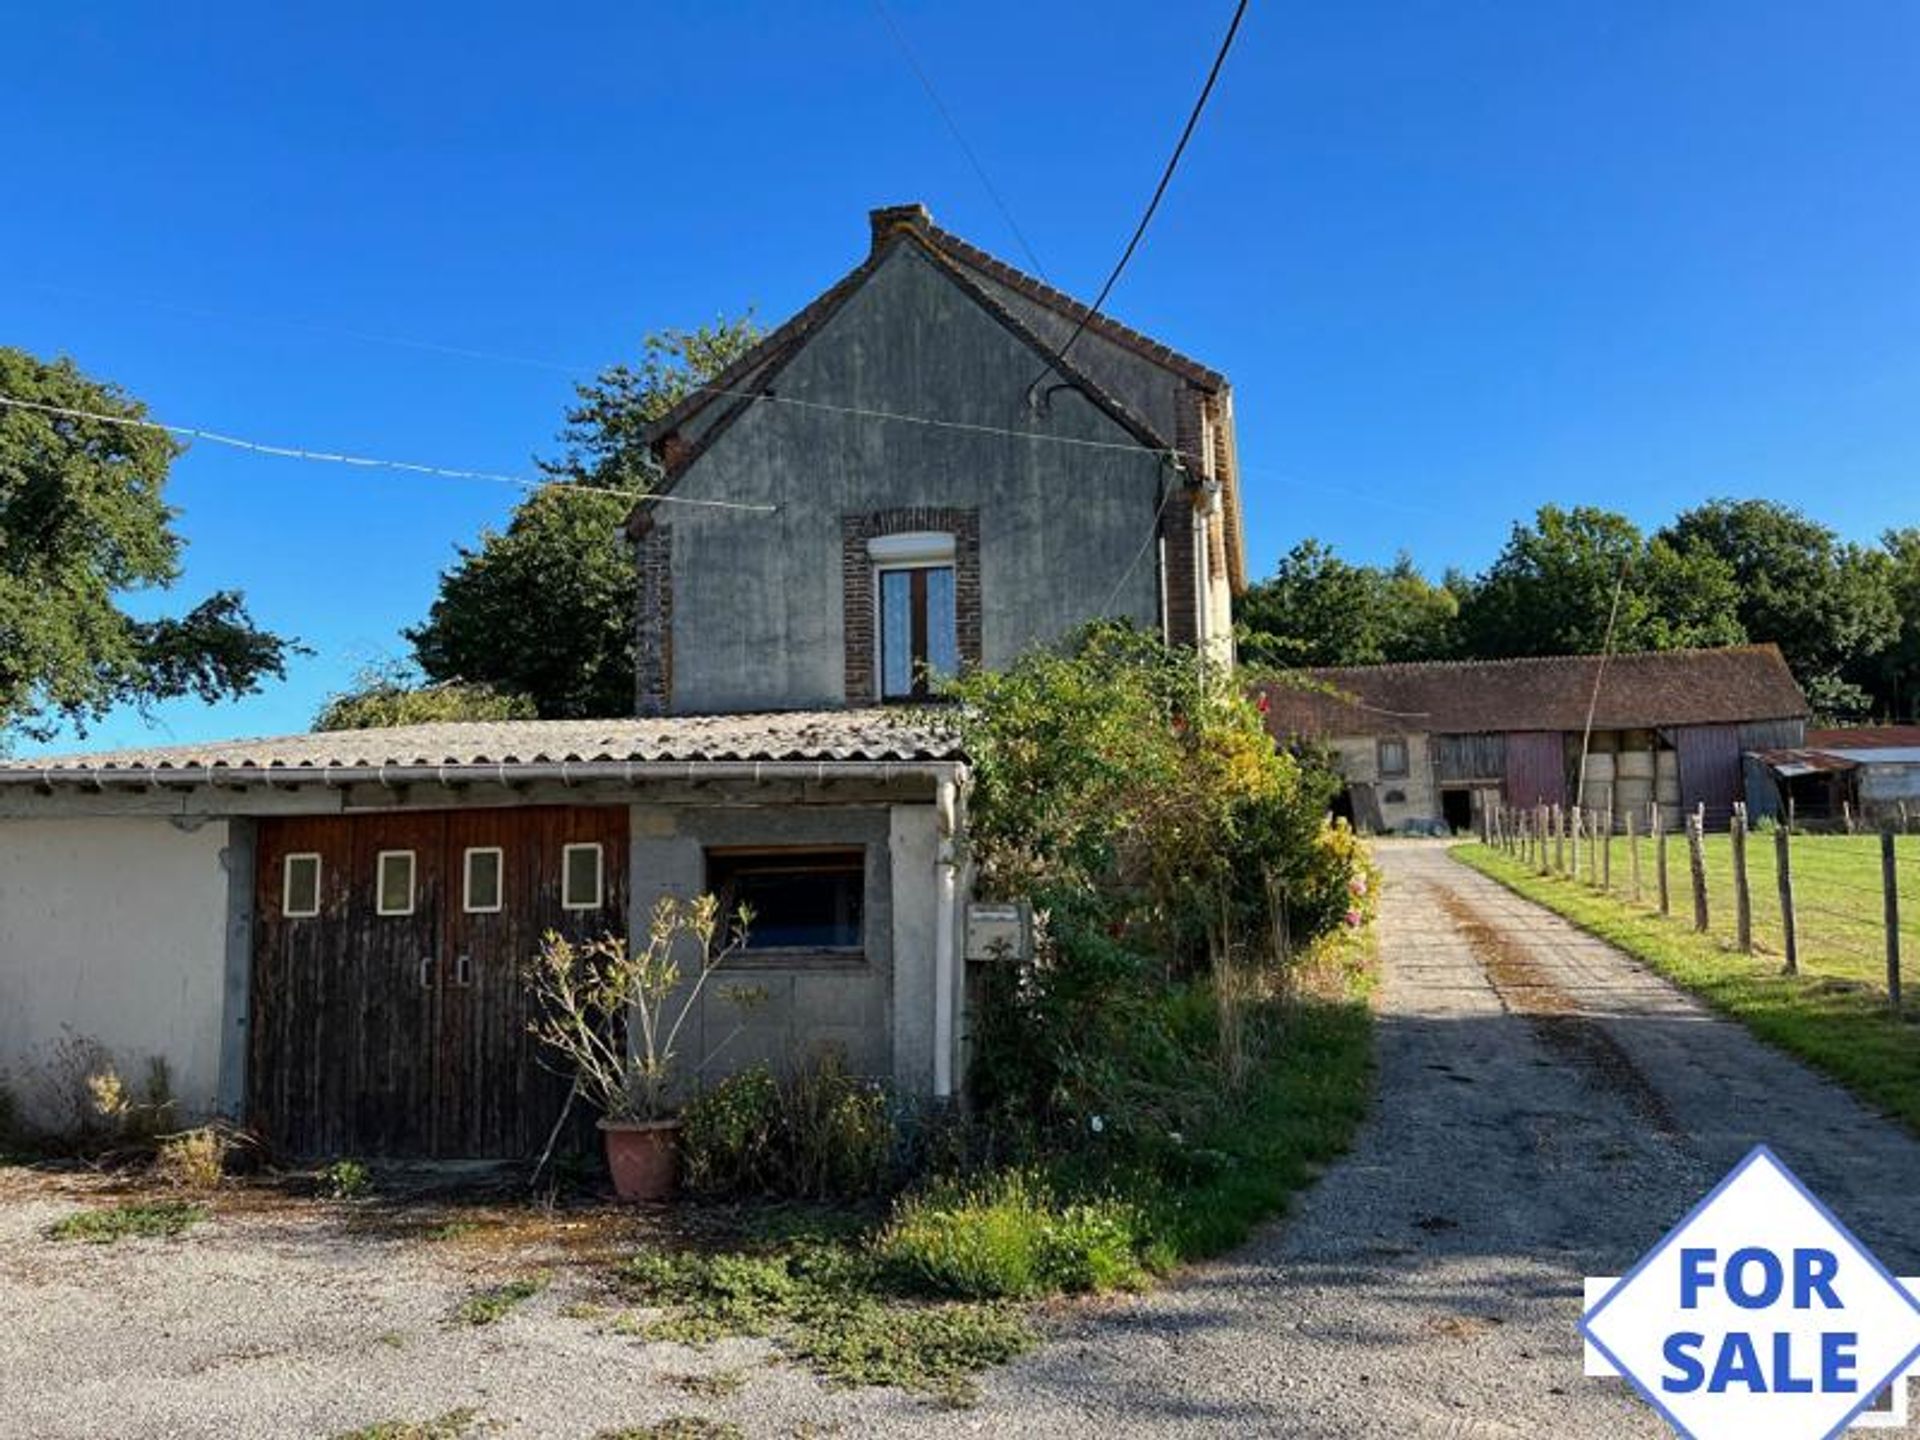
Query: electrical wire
(1160, 190)
(294, 452)
(316, 327)
(953, 129)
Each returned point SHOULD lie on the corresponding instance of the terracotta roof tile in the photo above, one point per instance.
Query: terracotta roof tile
(1675, 687)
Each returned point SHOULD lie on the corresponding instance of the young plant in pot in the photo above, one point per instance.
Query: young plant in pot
(613, 1012)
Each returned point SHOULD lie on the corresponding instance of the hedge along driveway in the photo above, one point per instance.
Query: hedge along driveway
(1841, 1028)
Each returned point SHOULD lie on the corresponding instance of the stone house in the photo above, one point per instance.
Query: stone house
(324, 935)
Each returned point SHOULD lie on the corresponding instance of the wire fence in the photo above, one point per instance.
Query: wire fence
(1837, 904)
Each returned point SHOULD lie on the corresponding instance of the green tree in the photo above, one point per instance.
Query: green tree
(1551, 591)
(1892, 677)
(1829, 606)
(1317, 609)
(83, 525)
(544, 608)
(396, 694)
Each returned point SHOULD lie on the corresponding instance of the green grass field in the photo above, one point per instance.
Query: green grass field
(1826, 1015)
(1837, 899)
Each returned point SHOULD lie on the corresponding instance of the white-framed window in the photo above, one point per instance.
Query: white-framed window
(481, 889)
(917, 622)
(300, 886)
(581, 877)
(393, 882)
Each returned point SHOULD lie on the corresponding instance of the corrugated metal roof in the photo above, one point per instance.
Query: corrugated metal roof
(1866, 737)
(795, 735)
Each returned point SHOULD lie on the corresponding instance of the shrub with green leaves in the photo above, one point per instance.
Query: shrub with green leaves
(1171, 849)
(822, 1133)
(346, 1180)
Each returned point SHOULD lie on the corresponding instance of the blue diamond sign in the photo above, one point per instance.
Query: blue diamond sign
(1758, 1316)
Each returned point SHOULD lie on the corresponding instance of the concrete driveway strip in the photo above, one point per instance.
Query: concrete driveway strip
(1547, 1109)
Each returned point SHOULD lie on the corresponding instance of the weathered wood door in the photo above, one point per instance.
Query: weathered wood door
(400, 1029)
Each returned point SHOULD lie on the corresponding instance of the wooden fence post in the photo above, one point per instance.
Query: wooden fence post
(1579, 834)
(1540, 817)
(1890, 884)
(1742, 896)
(1697, 863)
(1633, 855)
(1783, 858)
(1606, 850)
(1846, 814)
(1660, 861)
(1559, 840)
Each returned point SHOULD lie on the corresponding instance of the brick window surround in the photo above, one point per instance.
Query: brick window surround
(856, 581)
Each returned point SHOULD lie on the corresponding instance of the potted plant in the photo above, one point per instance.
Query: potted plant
(613, 1012)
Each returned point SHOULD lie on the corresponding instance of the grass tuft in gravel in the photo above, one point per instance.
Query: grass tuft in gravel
(493, 1304)
(159, 1221)
(710, 1384)
(825, 1303)
(450, 1426)
(677, 1427)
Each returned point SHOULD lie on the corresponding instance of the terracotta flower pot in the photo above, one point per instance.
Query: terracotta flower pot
(644, 1156)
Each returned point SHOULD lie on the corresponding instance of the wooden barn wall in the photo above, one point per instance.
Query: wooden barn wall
(1469, 757)
(1709, 768)
(1536, 770)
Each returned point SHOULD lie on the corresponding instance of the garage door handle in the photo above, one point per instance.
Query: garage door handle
(426, 972)
(463, 971)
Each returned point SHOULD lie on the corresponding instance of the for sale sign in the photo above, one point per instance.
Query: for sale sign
(1759, 1316)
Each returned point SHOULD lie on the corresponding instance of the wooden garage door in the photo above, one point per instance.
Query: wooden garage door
(401, 1030)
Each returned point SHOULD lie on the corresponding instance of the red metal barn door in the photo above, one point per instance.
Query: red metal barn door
(1709, 770)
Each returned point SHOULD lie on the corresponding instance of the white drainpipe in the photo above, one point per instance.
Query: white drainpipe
(946, 800)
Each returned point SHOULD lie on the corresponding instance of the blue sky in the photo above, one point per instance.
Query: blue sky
(1459, 259)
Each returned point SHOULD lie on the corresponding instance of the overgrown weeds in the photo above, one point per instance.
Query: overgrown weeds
(493, 1304)
(194, 1159)
(160, 1221)
(451, 1426)
(346, 1180)
(821, 1133)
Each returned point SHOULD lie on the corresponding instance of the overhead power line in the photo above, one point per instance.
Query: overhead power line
(295, 452)
(953, 128)
(1166, 178)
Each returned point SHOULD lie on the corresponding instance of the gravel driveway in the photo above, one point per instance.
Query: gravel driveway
(1546, 1110)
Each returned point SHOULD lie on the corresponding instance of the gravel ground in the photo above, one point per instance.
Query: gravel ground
(1546, 1110)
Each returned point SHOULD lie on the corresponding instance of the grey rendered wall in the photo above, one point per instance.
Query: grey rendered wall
(757, 599)
(867, 1006)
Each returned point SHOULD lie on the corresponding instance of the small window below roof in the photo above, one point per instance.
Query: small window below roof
(393, 882)
(581, 877)
(797, 899)
(1393, 757)
(480, 894)
(300, 887)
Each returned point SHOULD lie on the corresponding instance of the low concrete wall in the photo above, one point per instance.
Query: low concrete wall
(114, 929)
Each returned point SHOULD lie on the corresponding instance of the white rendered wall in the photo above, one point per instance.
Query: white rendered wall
(115, 927)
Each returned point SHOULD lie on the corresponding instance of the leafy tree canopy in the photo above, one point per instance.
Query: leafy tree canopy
(1826, 604)
(83, 525)
(1551, 591)
(1318, 609)
(396, 694)
(544, 608)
